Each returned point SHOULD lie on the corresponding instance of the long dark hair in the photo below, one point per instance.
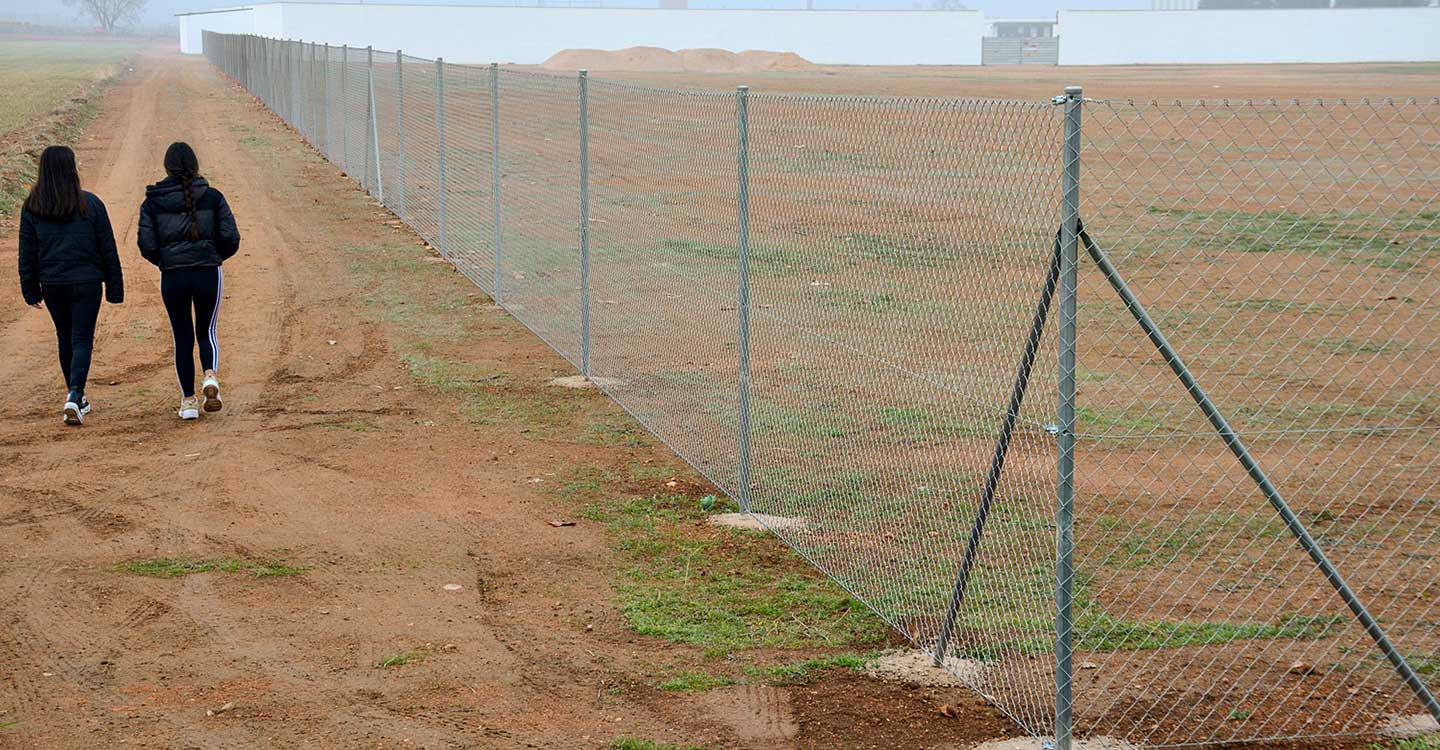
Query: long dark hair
(183, 166)
(56, 193)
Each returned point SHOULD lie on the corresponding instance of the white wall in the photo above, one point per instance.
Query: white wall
(1093, 37)
(530, 35)
(239, 20)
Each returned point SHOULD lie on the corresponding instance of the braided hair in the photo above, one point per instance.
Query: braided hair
(182, 165)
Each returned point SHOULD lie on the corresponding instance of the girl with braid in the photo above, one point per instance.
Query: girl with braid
(186, 229)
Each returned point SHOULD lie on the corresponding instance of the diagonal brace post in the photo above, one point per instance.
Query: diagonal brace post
(1252, 467)
(997, 460)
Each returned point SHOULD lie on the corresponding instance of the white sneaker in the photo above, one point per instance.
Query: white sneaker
(189, 408)
(75, 413)
(211, 389)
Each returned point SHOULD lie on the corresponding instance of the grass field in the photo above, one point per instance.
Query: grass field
(39, 75)
(49, 86)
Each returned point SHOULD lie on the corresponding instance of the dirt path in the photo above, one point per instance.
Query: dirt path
(92, 657)
(331, 458)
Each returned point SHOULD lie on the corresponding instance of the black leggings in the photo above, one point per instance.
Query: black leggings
(199, 289)
(74, 308)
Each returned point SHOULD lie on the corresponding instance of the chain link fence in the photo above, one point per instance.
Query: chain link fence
(1146, 450)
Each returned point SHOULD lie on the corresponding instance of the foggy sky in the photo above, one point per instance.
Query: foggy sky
(162, 12)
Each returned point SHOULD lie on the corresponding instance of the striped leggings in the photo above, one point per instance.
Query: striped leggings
(200, 290)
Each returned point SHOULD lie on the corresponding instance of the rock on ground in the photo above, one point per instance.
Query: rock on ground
(757, 522)
(918, 668)
(580, 381)
(1411, 726)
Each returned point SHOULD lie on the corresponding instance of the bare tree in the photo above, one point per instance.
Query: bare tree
(109, 14)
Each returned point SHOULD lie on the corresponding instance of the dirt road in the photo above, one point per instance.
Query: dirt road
(334, 461)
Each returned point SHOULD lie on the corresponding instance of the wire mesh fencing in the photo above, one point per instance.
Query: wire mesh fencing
(1146, 450)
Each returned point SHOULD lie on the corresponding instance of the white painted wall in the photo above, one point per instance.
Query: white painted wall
(239, 20)
(1095, 37)
(530, 35)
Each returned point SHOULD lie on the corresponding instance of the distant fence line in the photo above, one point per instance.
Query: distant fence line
(1146, 448)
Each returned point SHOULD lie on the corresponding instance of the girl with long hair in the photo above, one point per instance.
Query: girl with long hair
(186, 229)
(67, 251)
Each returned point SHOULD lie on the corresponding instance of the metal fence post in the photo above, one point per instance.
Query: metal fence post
(585, 223)
(296, 56)
(345, 110)
(369, 110)
(325, 101)
(1065, 463)
(742, 300)
(374, 148)
(440, 148)
(495, 168)
(312, 98)
(400, 134)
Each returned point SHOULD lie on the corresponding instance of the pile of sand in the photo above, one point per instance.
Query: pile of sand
(650, 59)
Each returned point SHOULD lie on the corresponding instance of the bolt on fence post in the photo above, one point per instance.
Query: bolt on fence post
(495, 168)
(742, 297)
(585, 223)
(1065, 463)
(400, 134)
(440, 148)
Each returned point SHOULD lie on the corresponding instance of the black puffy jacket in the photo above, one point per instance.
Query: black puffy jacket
(164, 235)
(79, 250)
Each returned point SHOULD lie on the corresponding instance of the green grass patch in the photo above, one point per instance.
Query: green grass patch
(1092, 421)
(718, 589)
(1381, 242)
(764, 259)
(177, 567)
(634, 743)
(1124, 544)
(1410, 743)
(9, 724)
(926, 424)
(690, 682)
(1426, 665)
(413, 656)
(829, 162)
(819, 420)
(1344, 345)
(1100, 632)
(804, 672)
(898, 252)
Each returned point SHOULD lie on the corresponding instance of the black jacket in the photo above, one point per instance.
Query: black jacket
(164, 235)
(80, 250)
